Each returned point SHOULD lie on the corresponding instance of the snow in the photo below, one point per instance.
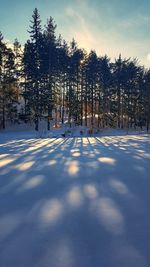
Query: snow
(75, 201)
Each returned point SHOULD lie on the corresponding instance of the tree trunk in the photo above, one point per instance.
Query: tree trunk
(3, 118)
(118, 97)
(36, 123)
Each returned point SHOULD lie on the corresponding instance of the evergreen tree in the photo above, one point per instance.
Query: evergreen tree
(50, 63)
(32, 68)
(8, 89)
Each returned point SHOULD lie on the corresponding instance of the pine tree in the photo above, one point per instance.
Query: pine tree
(63, 66)
(8, 89)
(50, 62)
(32, 64)
(104, 92)
(92, 78)
(146, 96)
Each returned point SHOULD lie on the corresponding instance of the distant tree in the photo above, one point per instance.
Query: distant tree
(8, 89)
(146, 99)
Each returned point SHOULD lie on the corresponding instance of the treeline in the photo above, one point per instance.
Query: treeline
(58, 81)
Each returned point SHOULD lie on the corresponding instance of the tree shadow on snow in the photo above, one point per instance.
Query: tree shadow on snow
(75, 202)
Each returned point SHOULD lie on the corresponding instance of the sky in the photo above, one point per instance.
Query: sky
(108, 26)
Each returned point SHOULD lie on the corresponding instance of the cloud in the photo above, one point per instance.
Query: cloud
(110, 36)
(81, 29)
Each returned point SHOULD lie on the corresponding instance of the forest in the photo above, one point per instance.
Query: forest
(50, 79)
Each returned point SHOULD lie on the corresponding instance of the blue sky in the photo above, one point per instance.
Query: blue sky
(108, 26)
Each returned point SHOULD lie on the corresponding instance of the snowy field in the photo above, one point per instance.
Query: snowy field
(75, 202)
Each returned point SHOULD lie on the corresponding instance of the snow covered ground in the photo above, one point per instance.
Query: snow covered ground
(74, 202)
